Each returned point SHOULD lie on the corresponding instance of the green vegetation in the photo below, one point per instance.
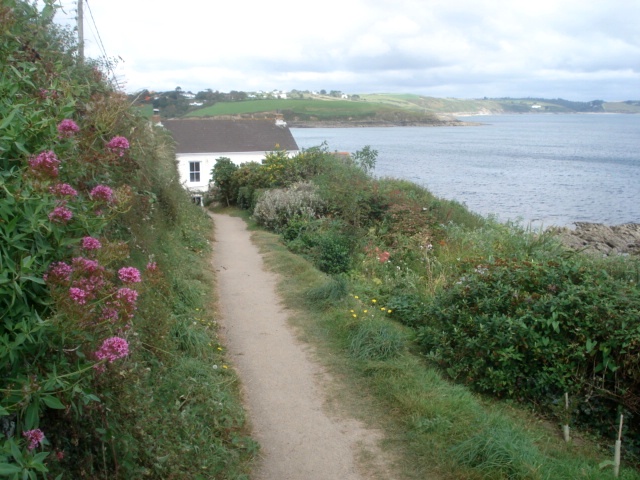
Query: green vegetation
(107, 339)
(329, 109)
(399, 109)
(424, 302)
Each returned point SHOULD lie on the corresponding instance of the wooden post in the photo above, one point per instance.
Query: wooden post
(80, 32)
(565, 429)
(616, 455)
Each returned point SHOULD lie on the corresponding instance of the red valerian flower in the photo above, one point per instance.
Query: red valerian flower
(35, 437)
(60, 215)
(45, 164)
(63, 190)
(67, 128)
(102, 192)
(112, 349)
(118, 145)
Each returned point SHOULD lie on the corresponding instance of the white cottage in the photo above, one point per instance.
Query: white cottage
(199, 143)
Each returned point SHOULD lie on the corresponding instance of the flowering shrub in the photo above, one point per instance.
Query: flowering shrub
(102, 193)
(118, 145)
(129, 275)
(68, 294)
(63, 190)
(60, 214)
(45, 165)
(90, 243)
(65, 308)
(67, 128)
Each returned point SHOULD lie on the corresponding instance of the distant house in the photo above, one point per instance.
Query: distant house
(199, 143)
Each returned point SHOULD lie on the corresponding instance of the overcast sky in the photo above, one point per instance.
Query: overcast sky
(572, 49)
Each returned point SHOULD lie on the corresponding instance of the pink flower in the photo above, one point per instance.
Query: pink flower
(45, 164)
(90, 243)
(152, 266)
(118, 145)
(383, 256)
(112, 349)
(63, 190)
(129, 275)
(102, 192)
(60, 215)
(67, 128)
(59, 271)
(109, 314)
(78, 295)
(128, 295)
(34, 437)
(86, 265)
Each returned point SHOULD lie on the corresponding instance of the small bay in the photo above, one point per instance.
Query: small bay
(539, 169)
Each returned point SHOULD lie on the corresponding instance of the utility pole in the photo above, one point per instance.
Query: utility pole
(80, 31)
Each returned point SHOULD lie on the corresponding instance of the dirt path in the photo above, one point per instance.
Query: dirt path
(282, 386)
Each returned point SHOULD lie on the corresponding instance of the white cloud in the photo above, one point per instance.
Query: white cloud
(464, 48)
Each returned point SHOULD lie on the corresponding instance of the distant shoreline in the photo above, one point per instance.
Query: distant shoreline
(378, 123)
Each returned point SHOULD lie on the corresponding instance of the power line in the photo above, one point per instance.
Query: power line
(101, 45)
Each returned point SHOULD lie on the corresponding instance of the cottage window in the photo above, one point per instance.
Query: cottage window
(194, 171)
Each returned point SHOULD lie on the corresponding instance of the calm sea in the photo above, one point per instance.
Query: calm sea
(539, 169)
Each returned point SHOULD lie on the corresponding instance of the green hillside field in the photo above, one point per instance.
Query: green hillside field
(308, 108)
(405, 107)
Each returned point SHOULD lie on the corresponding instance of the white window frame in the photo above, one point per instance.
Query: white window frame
(194, 172)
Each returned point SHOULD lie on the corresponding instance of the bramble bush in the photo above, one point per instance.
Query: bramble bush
(535, 329)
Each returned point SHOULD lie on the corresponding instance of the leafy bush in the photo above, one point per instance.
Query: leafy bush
(532, 330)
(277, 207)
(331, 251)
(226, 187)
(251, 178)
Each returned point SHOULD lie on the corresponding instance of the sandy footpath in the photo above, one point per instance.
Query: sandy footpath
(282, 387)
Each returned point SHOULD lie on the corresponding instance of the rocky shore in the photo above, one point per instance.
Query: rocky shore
(599, 239)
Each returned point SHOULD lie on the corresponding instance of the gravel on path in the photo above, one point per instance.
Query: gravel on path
(283, 388)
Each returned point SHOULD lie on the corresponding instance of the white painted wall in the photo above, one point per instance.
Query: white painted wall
(207, 161)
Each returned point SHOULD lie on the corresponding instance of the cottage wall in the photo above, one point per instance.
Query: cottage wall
(206, 162)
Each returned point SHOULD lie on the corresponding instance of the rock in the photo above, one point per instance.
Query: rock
(596, 238)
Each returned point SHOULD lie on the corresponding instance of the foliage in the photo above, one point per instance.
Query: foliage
(277, 207)
(222, 174)
(365, 158)
(331, 250)
(91, 217)
(535, 329)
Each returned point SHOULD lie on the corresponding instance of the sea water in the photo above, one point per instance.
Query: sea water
(538, 169)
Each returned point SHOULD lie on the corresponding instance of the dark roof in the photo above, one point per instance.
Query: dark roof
(207, 136)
